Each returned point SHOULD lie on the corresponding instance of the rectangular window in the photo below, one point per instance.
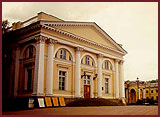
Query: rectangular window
(87, 80)
(62, 77)
(146, 91)
(63, 54)
(151, 91)
(106, 85)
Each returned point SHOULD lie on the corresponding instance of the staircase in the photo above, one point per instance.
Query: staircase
(95, 102)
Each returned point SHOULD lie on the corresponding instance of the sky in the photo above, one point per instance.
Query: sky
(132, 24)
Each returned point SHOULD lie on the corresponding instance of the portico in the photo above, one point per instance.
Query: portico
(70, 63)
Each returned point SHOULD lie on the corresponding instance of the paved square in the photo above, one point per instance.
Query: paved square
(101, 110)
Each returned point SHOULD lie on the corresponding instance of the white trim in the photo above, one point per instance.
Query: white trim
(64, 61)
(85, 54)
(60, 40)
(25, 47)
(65, 47)
(110, 62)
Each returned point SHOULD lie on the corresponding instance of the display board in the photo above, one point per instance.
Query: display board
(48, 102)
(55, 101)
(31, 103)
(61, 101)
(41, 102)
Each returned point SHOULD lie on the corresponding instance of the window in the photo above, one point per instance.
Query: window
(87, 60)
(70, 58)
(151, 91)
(146, 91)
(106, 85)
(62, 77)
(156, 97)
(28, 80)
(156, 91)
(29, 52)
(56, 55)
(87, 80)
(63, 54)
(106, 65)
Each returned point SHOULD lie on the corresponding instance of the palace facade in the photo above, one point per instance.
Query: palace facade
(53, 57)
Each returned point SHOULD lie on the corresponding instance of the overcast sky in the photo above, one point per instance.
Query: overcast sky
(134, 25)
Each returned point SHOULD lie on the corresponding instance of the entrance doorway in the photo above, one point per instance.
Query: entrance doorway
(133, 96)
(87, 83)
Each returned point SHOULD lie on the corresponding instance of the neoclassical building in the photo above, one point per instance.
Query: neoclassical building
(71, 59)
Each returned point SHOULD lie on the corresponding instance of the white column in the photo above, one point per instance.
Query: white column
(138, 93)
(92, 86)
(50, 69)
(99, 84)
(77, 73)
(144, 97)
(122, 92)
(38, 87)
(16, 71)
(116, 79)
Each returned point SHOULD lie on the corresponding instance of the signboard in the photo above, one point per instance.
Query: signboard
(55, 101)
(41, 102)
(48, 101)
(61, 101)
(31, 103)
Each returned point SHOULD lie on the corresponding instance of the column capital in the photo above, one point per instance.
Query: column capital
(100, 55)
(79, 49)
(51, 41)
(121, 62)
(117, 60)
(40, 39)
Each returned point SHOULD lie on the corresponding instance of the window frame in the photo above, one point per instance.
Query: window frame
(87, 60)
(65, 80)
(106, 85)
(63, 54)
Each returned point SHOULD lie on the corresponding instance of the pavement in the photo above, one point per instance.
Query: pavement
(98, 110)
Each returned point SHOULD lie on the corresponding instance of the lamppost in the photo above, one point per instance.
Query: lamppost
(138, 88)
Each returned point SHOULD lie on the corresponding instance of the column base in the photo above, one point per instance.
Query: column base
(49, 94)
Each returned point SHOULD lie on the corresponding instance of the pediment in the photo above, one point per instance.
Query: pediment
(88, 31)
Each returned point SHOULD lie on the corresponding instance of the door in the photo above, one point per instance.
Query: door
(86, 91)
(133, 96)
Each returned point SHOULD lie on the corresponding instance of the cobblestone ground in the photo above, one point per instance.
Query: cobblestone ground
(101, 110)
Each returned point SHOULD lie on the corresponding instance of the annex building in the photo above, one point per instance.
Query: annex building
(144, 91)
(53, 57)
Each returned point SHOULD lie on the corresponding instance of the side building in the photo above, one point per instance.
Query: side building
(144, 91)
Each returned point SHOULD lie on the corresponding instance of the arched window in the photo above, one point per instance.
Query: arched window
(63, 54)
(107, 65)
(88, 60)
(29, 52)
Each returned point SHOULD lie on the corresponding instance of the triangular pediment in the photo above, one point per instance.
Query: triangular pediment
(89, 31)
